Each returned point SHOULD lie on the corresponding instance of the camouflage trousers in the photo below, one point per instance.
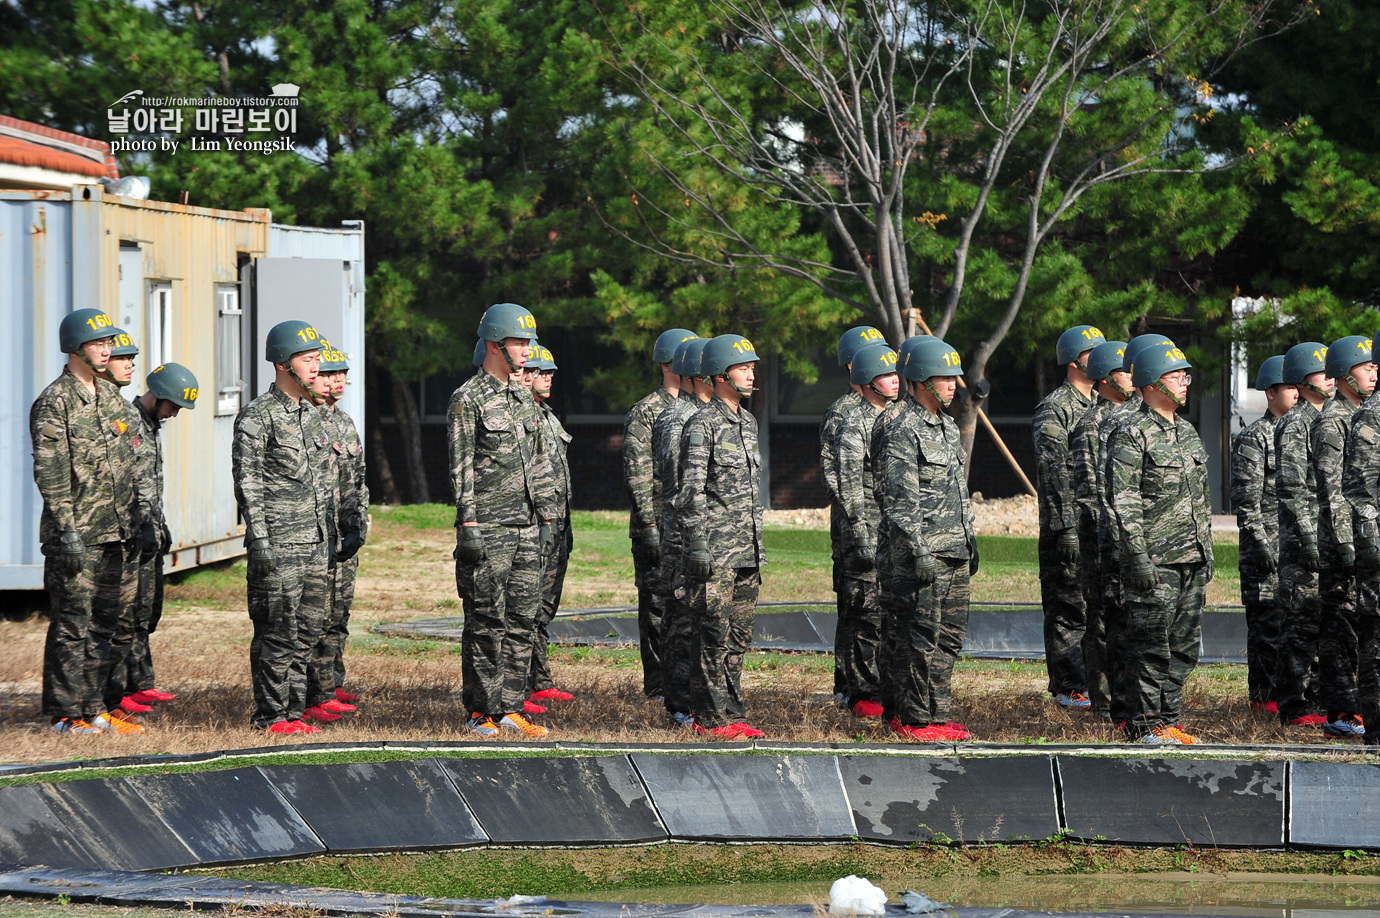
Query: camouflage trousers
(1163, 634)
(922, 636)
(137, 673)
(678, 638)
(502, 597)
(326, 671)
(90, 629)
(1338, 647)
(554, 567)
(651, 609)
(1296, 668)
(1095, 628)
(1263, 625)
(837, 555)
(1368, 641)
(722, 610)
(1114, 631)
(1066, 619)
(858, 635)
(287, 609)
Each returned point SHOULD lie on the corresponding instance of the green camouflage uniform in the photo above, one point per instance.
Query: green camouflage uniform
(677, 680)
(1361, 488)
(285, 489)
(137, 673)
(1300, 606)
(556, 444)
(1337, 591)
(720, 502)
(840, 538)
(645, 491)
(1109, 560)
(924, 503)
(85, 469)
(1159, 505)
(1086, 456)
(886, 600)
(1253, 467)
(859, 627)
(1060, 592)
(502, 480)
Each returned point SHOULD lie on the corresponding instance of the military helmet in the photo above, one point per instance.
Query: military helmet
(931, 356)
(173, 382)
(123, 345)
(1075, 341)
(856, 338)
(664, 351)
(1302, 360)
(1106, 359)
(1344, 354)
(1153, 362)
(333, 360)
(1138, 344)
(906, 347)
(82, 326)
(1271, 372)
(479, 351)
(288, 338)
(687, 362)
(540, 359)
(870, 362)
(724, 351)
(507, 320)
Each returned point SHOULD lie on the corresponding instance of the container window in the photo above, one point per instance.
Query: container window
(229, 336)
(159, 322)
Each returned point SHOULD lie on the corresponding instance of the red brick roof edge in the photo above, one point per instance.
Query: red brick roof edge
(99, 162)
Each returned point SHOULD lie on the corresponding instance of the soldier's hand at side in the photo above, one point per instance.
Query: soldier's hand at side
(1368, 553)
(1262, 557)
(926, 568)
(973, 559)
(165, 545)
(148, 541)
(1309, 559)
(1138, 573)
(649, 545)
(350, 545)
(1066, 549)
(865, 555)
(699, 563)
(263, 561)
(71, 553)
(470, 547)
(1346, 554)
(546, 535)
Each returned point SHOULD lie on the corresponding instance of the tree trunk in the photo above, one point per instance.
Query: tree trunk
(378, 456)
(410, 430)
(965, 415)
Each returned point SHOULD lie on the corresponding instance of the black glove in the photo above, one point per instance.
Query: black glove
(263, 561)
(1368, 553)
(1066, 549)
(148, 541)
(470, 547)
(1138, 573)
(350, 545)
(1309, 559)
(166, 535)
(71, 553)
(699, 563)
(864, 555)
(546, 535)
(1262, 556)
(1346, 554)
(972, 557)
(649, 545)
(926, 568)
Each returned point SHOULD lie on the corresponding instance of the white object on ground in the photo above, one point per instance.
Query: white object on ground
(856, 896)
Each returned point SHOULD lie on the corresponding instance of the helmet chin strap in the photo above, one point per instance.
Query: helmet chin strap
(1312, 388)
(1125, 393)
(1159, 384)
(873, 386)
(81, 352)
(1356, 387)
(944, 402)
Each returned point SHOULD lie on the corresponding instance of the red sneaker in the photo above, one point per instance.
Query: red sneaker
(867, 708)
(925, 734)
(951, 731)
(304, 727)
(529, 707)
(747, 731)
(286, 726)
(727, 731)
(152, 696)
(1308, 720)
(337, 707)
(134, 707)
(319, 714)
(342, 695)
(1265, 707)
(553, 694)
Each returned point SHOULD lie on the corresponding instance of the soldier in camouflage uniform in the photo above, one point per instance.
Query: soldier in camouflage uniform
(1060, 592)
(1349, 363)
(645, 491)
(505, 506)
(933, 546)
(1361, 488)
(1300, 608)
(720, 510)
(286, 493)
(678, 679)
(1104, 368)
(1159, 505)
(1253, 465)
(840, 539)
(859, 628)
(93, 529)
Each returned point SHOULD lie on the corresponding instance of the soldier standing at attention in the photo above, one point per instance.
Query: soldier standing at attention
(677, 672)
(1361, 488)
(1060, 593)
(556, 444)
(1253, 465)
(1159, 505)
(1349, 363)
(720, 509)
(1300, 607)
(1113, 388)
(933, 548)
(504, 508)
(92, 529)
(840, 539)
(645, 491)
(283, 484)
(859, 629)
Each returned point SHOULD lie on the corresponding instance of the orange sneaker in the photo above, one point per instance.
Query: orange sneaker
(122, 722)
(519, 724)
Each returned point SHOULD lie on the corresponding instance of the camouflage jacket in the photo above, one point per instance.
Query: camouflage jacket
(1106, 527)
(925, 494)
(643, 486)
(556, 444)
(853, 465)
(499, 472)
(1052, 426)
(721, 485)
(890, 413)
(1159, 488)
(1327, 440)
(666, 448)
(1253, 483)
(148, 449)
(284, 475)
(84, 462)
(843, 406)
(352, 500)
(1296, 488)
(1361, 469)
(1086, 452)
